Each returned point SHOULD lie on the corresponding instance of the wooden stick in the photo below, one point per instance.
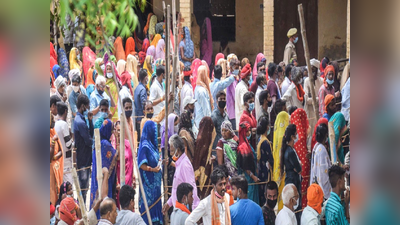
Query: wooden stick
(122, 151)
(80, 198)
(99, 165)
(332, 143)
(174, 62)
(307, 57)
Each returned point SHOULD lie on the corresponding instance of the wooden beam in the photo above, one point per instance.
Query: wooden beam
(99, 166)
(80, 198)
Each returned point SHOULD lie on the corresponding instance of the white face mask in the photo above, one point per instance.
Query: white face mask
(75, 88)
(103, 67)
(78, 57)
(109, 75)
(176, 128)
(297, 138)
(297, 204)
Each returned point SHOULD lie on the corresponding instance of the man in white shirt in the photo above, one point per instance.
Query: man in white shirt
(214, 207)
(311, 213)
(286, 82)
(187, 89)
(157, 94)
(262, 85)
(127, 200)
(126, 90)
(290, 198)
(241, 89)
(294, 91)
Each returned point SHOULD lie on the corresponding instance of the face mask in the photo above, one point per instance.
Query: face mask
(222, 104)
(271, 203)
(109, 75)
(176, 128)
(251, 106)
(297, 204)
(103, 115)
(270, 104)
(191, 111)
(248, 137)
(297, 138)
(149, 115)
(163, 36)
(78, 57)
(85, 112)
(192, 122)
(75, 88)
(264, 87)
(329, 81)
(300, 81)
(103, 67)
(269, 131)
(295, 40)
(100, 92)
(326, 139)
(128, 113)
(235, 72)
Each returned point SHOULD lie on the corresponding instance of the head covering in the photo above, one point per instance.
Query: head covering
(155, 40)
(245, 157)
(324, 63)
(106, 130)
(328, 99)
(259, 57)
(228, 126)
(131, 67)
(314, 62)
(56, 71)
(151, 51)
(53, 52)
(74, 72)
(73, 62)
(188, 100)
(121, 66)
(160, 54)
(195, 66)
(63, 62)
(142, 57)
(206, 42)
(110, 63)
(88, 58)
(146, 45)
(97, 66)
(146, 28)
(315, 197)
(66, 206)
(187, 73)
(147, 65)
(204, 81)
(245, 71)
(52, 209)
(188, 49)
(230, 57)
(291, 32)
(326, 71)
(119, 49)
(314, 135)
(171, 126)
(185, 121)
(218, 57)
(130, 47)
(59, 82)
(126, 80)
(152, 25)
(159, 28)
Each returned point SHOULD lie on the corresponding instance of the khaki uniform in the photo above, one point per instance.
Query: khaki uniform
(290, 52)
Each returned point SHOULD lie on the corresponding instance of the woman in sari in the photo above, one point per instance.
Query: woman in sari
(56, 163)
(173, 121)
(195, 66)
(299, 118)
(314, 139)
(151, 51)
(88, 58)
(108, 160)
(130, 47)
(131, 67)
(259, 57)
(281, 122)
(90, 77)
(119, 51)
(195, 30)
(74, 60)
(56, 71)
(339, 125)
(205, 103)
(154, 42)
(63, 62)
(202, 156)
(148, 162)
(185, 132)
(265, 160)
(186, 48)
(160, 54)
(227, 148)
(97, 65)
(148, 66)
(121, 66)
(146, 45)
(52, 51)
(206, 41)
(113, 88)
(152, 27)
(247, 160)
(146, 28)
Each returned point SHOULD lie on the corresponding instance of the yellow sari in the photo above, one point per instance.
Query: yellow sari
(131, 67)
(155, 40)
(149, 68)
(73, 62)
(281, 122)
(114, 92)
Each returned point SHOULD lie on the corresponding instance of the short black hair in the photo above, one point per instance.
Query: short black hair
(218, 71)
(61, 108)
(82, 100)
(335, 173)
(125, 100)
(271, 69)
(292, 109)
(182, 190)
(160, 70)
(76, 78)
(54, 99)
(220, 93)
(279, 104)
(321, 132)
(280, 69)
(260, 77)
(288, 70)
(106, 206)
(247, 96)
(240, 182)
(263, 96)
(224, 169)
(126, 194)
(216, 175)
(104, 102)
(263, 124)
(260, 64)
(271, 185)
(142, 74)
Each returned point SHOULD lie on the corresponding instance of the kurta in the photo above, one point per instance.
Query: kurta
(289, 53)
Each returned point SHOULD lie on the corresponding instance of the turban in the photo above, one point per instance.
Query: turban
(142, 57)
(328, 99)
(126, 79)
(74, 72)
(52, 209)
(315, 197)
(187, 73)
(329, 68)
(245, 71)
(315, 63)
(66, 206)
(291, 32)
(59, 82)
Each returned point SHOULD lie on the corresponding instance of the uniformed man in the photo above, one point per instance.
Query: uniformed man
(290, 49)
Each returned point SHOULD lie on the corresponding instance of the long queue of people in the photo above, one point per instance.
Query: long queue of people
(245, 144)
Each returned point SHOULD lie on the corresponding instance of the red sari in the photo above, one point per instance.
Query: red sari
(299, 118)
(251, 120)
(88, 57)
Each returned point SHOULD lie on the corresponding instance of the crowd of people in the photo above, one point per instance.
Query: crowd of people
(245, 143)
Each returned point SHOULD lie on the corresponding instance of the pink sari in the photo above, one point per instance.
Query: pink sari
(259, 57)
(206, 42)
(88, 57)
(195, 65)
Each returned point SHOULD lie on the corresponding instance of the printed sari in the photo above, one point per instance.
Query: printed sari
(63, 62)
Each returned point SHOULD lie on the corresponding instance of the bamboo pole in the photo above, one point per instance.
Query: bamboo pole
(122, 151)
(80, 198)
(307, 57)
(332, 143)
(99, 166)
(174, 62)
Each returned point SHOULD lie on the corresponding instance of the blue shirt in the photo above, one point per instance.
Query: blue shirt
(95, 99)
(202, 106)
(73, 98)
(83, 136)
(326, 116)
(140, 96)
(245, 211)
(334, 211)
(217, 85)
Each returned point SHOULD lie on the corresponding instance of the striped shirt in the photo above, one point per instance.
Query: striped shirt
(334, 211)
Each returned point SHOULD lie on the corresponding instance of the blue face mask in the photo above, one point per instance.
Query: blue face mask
(85, 113)
(235, 72)
(264, 87)
(269, 131)
(295, 40)
(192, 122)
(329, 81)
(251, 106)
(248, 137)
(103, 115)
(163, 36)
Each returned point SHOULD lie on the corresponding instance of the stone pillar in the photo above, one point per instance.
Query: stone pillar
(348, 30)
(185, 8)
(269, 30)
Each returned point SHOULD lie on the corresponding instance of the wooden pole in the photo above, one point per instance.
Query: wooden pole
(307, 57)
(332, 143)
(122, 150)
(99, 166)
(174, 62)
(80, 198)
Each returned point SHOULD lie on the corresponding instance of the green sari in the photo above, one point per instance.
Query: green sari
(339, 123)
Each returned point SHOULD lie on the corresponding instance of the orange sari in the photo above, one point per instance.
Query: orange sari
(56, 170)
(119, 49)
(130, 47)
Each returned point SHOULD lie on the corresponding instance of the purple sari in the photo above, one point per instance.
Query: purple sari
(206, 42)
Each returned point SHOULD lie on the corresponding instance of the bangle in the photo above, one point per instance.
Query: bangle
(251, 174)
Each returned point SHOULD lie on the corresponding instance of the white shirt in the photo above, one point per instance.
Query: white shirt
(286, 217)
(258, 107)
(123, 93)
(310, 217)
(291, 97)
(240, 90)
(187, 90)
(346, 100)
(156, 92)
(285, 85)
(203, 210)
(62, 130)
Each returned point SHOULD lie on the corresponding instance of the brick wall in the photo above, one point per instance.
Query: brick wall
(268, 27)
(186, 10)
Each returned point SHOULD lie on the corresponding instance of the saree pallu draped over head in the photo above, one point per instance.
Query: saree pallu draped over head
(52, 51)
(88, 58)
(121, 66)
(188, 49)
(202, 154)
(119, 51)
(339, 124)
(73, 62)
(245, 157)
(206, 42)
(56, 168)
(160, 54)
(146, 28)
(146, 45)
(113, 89)
(66, 206)
(281, 122)
(152, 27)
(195, 66)
(170, 132)
(151, 51)
(155, 41)
(147, 65)
(63, 62)
(131, 67)
(130, 47)
(204, 81)
(259, 57)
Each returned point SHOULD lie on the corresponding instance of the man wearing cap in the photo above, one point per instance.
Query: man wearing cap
(188, 104)
(290, 49)
(241, 88)
(311, 213)
(187, 89)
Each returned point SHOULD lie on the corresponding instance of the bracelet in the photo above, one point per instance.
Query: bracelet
(251, 174)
